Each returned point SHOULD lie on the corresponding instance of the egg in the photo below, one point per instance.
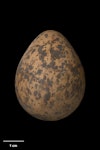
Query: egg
(50, 79)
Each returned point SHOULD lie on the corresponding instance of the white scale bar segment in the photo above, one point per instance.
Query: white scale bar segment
(13, 141)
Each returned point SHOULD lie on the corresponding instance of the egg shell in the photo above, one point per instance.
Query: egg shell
(50, 79)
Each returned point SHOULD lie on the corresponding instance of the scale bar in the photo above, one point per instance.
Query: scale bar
(13, 140)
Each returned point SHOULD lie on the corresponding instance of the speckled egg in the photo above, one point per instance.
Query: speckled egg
(50, 80)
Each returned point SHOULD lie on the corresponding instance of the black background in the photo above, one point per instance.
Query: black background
(19, 26)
